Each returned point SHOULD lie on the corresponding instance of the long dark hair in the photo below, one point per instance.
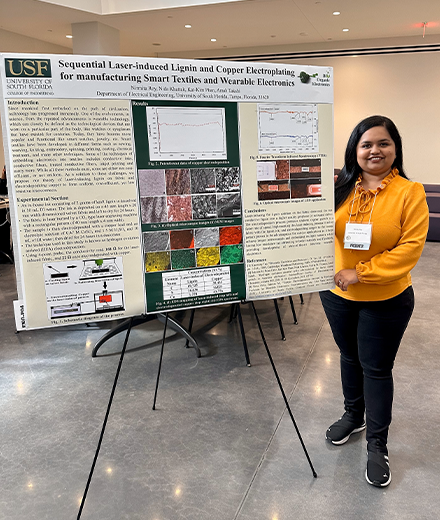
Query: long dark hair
(350, 172)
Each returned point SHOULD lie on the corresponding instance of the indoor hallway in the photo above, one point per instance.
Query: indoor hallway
(220, 445)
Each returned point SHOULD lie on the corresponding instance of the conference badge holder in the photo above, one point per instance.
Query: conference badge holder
(357, 235)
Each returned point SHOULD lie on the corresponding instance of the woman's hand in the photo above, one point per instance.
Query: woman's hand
(346, 277)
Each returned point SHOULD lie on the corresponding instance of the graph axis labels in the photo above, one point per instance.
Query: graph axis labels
(186, 133)
(290, 128)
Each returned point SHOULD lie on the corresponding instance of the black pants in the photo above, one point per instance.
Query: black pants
(368, 335)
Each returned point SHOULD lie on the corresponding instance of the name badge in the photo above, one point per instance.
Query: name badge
(357, 236)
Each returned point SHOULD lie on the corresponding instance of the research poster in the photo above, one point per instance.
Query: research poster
(142, 185)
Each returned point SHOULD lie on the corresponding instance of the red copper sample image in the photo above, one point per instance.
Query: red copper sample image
(177, 182)
(305, 178)
(282, 169)
(182, 239)
(273, 190)
(179, 208)
(230, 235)
(153, 209)
(151, 183)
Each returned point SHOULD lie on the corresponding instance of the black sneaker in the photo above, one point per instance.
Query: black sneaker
(378, 472)
(340, 431)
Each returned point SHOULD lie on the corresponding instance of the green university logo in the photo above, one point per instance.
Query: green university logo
(28, 68)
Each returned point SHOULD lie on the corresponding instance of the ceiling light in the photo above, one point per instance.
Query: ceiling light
(336, 13)
(213, 39)
(69, 36)
(187, 26)
(345, 30)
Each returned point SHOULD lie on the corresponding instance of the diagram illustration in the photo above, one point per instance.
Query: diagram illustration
(76, 288)
(287, 128)
(186, 133)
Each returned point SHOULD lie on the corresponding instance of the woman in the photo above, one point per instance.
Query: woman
(381, 226)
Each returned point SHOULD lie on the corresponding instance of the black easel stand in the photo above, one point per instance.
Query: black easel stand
(129, 327)
(7, 256)
(282, 390)
(160, 360)
(295, 321)
(144, 318)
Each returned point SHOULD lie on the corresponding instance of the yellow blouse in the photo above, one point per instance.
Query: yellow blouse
(400, 219)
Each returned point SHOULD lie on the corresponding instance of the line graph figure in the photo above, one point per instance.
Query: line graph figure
(287, 128)
(181, 133)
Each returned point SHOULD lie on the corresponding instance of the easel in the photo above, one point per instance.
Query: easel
(144, 318)
(129, 325)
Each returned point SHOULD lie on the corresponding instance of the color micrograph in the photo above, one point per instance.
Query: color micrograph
(230, 235)
(182, 239)
(152, 183)
(157, 261)
(231, 254)
(177, 182)
(189, 248)
(282, 169)
(270, 190)
(183, 259)
(208, 256)
(289, 179)
(179, 208)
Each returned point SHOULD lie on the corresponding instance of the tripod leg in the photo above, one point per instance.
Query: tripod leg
(282, 391)
(160, 360)
(105, 420)
(243, 336)
(295, 321)
(190, 325)
(280, 323)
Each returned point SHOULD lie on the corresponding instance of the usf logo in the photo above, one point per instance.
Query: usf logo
(30, 68)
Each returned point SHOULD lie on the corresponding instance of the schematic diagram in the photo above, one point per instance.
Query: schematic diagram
(80, 287)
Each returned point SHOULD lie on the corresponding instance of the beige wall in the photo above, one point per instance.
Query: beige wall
(403, 87)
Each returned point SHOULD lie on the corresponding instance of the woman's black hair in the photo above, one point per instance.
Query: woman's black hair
(350, 172)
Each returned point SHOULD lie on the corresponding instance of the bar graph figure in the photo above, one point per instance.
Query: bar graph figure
(287, 128)
(183, 133)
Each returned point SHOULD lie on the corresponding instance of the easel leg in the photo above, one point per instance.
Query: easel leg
(282, 391)
(233, 312)
(295, 321)
(105, 420)
(160, 360)
(243, 336)
(190, 325)
(280, 323)
(301, 299)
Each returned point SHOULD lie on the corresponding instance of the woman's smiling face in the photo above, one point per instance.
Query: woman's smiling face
(376, 151)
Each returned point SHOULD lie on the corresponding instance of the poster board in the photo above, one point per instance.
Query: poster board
(142, 185)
